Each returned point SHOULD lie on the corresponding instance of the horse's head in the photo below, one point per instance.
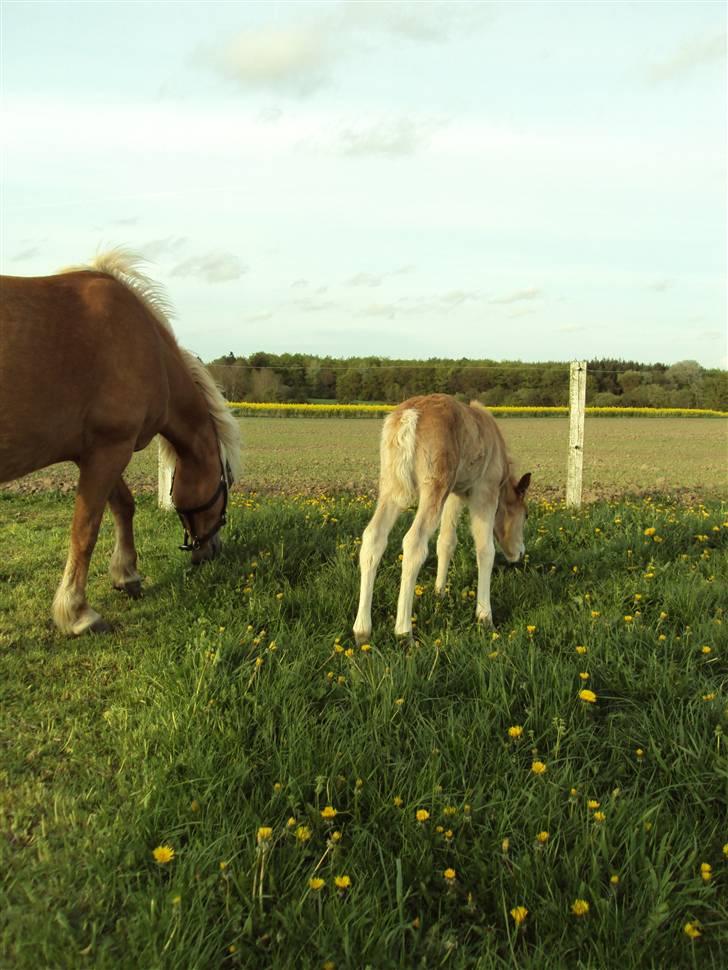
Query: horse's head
(510, 517)
(201, 518)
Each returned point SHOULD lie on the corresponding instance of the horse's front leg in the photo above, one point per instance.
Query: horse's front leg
(481, 526)
(100, 472)
(123, 565)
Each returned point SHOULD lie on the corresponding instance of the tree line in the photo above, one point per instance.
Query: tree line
(610, 381)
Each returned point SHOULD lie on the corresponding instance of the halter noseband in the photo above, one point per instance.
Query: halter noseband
(191, 541)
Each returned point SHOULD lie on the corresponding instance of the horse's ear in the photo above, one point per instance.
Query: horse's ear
(522, 486)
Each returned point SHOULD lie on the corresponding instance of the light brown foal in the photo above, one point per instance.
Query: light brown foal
(90, 371)
(444, 455)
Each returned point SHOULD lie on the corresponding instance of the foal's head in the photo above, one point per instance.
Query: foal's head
(510, 517)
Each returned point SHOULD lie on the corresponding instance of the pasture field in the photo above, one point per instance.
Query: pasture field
(445, 783)
(638, 455)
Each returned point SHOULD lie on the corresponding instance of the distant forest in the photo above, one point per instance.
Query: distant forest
(610, 382)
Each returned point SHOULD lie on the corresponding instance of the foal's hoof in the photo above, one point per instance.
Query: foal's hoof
(133, 589)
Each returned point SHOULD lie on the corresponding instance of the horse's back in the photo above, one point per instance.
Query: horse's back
(80, 358)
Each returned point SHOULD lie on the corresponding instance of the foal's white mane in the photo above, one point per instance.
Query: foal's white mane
(124, 267)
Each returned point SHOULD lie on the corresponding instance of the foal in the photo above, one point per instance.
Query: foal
(444, 454)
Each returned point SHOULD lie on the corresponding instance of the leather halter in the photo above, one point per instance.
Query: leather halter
(191, 541)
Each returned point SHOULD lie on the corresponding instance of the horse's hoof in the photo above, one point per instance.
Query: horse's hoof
(99, 626)
(132, 589)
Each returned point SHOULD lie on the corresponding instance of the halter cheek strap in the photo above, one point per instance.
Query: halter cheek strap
(192, 541)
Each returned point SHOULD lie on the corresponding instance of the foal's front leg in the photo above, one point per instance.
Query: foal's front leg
(481, 526)
(373, 544)
(123, 571)
(99, 472)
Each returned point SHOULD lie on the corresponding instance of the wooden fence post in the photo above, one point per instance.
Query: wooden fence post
(164, 486)
(577, 402)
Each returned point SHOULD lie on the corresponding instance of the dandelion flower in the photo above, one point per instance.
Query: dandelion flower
(519, 913)
(515, 731)
(329, 812)
(583, 675)
(709, 697)
(264, 833)
(505, 846)
(530, 630)
(398, 801)
(592, 804)
(538, 767)
(599, 817)
(639, 752)
(365, 647)
(316, 883)
(614, 879)
(628, 619)
(706, 650)
(692, 929)
(581, 650)
(725, 850)
(588, 696)
(303, 833)
(422, 814)
(651, 531)
(163, 854)
(450, 875)
(342, 882)
(706, 871)
(595, 614)
(542, 837)
(336, 837)
(580, 907)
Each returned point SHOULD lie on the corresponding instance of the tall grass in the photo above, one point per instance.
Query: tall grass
(231, 699)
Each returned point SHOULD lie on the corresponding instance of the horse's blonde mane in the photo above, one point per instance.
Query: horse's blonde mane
(124, 265)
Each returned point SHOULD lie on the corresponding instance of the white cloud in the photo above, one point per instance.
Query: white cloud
(689, 57)
(389, 136)
(532, 293)
(212, 268)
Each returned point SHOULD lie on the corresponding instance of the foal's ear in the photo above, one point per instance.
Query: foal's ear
(522, 486)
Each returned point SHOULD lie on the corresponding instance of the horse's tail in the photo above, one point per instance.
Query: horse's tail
(397, 456)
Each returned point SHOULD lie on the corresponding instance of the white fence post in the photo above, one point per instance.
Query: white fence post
(577, 403)
(164, 486)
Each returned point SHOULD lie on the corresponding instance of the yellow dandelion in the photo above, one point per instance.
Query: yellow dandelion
(595, 614)
(592, 804)
(588, 696)
(328, 812)
(581, 650)
(398, 801)
(365, 647)
(505, 846)
(599, 817)
(663, 615)
(614, 879)
(651, 531)
(264, 833)
(338, 648)
(583, 675)
(706, 871)
(573, 792)
(515, 731)
(303, 833)
(709, 697)
(328, 965)
(450, 875)
(692, 929)
(349, 652)
(422, 814)
(316, 883)
(342, 882)
(542, 837)
(194, 805)
(706, 650)
(530, 630)
(519, 913)
(639, 752)
(580, 907)
(163, 854)
(628, 618)
(336, 837)
(538, 767)
(725, 850)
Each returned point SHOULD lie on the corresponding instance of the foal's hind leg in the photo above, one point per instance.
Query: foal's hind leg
(373, 544)
(447, 540)
(99, 473)
(124, 575)
(414, 549)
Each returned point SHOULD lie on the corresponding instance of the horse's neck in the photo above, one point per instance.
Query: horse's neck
(188, 426)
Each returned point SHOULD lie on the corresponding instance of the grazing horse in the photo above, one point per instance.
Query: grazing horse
(90, 371)
(444, 454)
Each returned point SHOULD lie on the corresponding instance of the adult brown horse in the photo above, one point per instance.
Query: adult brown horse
(90, 371)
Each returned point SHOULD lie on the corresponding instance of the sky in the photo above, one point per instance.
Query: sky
(507, 180)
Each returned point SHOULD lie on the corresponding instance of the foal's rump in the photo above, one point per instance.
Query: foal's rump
(438, 443)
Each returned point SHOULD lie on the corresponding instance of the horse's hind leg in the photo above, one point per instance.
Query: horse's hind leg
(373, 544)
(414, 549)
(124, 575)
(99, 473)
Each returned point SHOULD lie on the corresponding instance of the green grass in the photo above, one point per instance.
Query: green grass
(187, 727)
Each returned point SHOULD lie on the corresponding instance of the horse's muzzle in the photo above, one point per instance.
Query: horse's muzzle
(208, 550)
